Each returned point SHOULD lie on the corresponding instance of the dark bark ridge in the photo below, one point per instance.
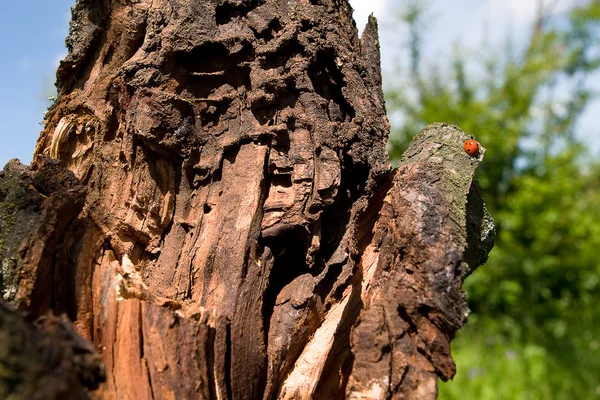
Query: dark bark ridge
(433, 230)
(36, 209)
(242, 234)
(45, 359)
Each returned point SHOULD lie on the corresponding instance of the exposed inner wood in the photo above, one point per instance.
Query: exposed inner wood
(243, 234)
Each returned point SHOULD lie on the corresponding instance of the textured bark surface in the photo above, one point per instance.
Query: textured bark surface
(243, 234)
(45, 359)
(433, 230)
(36, 209)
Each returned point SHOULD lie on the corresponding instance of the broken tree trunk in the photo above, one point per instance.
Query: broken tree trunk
(243, 235)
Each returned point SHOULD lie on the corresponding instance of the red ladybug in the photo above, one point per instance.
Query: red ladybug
(472, 147)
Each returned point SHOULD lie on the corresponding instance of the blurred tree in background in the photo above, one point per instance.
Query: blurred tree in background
(535, 328)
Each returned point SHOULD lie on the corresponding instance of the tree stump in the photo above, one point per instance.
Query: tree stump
(242, 234)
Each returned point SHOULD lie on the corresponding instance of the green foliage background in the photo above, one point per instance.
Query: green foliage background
(535, 328)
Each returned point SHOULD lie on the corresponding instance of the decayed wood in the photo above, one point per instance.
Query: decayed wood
(433, 229)
(36, 209)
(243, 235)
(45, 359)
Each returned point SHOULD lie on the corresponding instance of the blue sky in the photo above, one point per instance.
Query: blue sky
(32, 42)
(32, 35)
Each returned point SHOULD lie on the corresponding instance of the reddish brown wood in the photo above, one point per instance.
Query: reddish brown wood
(243, 234)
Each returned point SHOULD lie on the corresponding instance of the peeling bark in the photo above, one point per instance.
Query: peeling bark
(242, 234)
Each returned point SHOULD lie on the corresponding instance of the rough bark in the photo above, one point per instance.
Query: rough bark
(36, 209)
(45, 359)
(433, 230)
(240, 201)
